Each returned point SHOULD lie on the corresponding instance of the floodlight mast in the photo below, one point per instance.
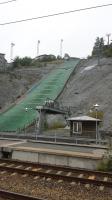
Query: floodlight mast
(61, 48)
(38, 45)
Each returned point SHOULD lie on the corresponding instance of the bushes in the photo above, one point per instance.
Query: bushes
(26, 61)
(105, 165)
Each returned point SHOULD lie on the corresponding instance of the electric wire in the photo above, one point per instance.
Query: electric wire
(55, 14)
(5, 2)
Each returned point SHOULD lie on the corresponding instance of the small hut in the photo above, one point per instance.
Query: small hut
(84, 126)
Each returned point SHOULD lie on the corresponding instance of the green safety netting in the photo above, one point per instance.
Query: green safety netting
(16, 118)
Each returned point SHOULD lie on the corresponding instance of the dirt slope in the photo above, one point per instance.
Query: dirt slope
(15, 83)
(91, 84)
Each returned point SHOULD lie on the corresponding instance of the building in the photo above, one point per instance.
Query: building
(84, 126)
(3, 61)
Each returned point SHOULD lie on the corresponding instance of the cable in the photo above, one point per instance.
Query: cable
(7, 2)
(55, 14)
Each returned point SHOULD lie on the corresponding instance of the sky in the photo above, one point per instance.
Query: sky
(78, 30)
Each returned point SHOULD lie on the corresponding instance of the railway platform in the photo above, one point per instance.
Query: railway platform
(61, 154)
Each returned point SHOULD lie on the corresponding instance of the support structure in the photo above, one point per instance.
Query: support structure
(48, 108)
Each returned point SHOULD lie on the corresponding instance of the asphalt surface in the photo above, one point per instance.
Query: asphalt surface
(61, 147)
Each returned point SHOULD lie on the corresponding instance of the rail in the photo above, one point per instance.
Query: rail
(16, 196)
(58, 173)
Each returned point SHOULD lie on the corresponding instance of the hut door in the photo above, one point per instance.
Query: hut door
(77, 127)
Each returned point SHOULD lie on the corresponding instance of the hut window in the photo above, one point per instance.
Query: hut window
(77, 127)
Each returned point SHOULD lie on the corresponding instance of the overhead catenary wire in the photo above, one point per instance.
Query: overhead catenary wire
(5, 2)
(55, 14)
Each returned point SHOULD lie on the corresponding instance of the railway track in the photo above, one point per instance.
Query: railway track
(57, 172)
(15, 196)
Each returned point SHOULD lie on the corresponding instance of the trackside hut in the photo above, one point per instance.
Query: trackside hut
(84, 126)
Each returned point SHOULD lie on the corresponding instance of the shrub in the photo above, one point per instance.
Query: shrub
(105, 165)
(26, 61)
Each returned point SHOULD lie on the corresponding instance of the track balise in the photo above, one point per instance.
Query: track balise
(57, 172)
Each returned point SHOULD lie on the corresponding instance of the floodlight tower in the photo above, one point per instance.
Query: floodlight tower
(108, 36)
(38, 44)
(11, 51)
(61, 47)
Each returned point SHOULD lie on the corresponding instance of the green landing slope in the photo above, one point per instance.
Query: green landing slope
(16, 118)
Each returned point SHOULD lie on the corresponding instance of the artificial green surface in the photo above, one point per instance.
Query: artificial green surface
(16, 117)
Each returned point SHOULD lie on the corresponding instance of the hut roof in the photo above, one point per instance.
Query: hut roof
(83, 118)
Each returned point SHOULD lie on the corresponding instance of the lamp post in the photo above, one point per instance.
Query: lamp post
(96, 113)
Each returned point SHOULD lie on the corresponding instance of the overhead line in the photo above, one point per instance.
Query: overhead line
(55, 14)
(7, 2)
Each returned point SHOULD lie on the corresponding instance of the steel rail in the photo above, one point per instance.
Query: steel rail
(61, 168)
(16, 196)
(56, 176)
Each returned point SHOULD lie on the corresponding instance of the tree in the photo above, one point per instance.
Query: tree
(16, 62)
(26, 61)
(98, 47)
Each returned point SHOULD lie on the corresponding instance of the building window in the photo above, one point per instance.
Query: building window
(77, 127)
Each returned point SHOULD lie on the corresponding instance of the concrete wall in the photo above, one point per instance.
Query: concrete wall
(52, 159)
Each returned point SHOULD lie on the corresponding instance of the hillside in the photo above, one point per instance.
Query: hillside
(15, 83)
(91, 84)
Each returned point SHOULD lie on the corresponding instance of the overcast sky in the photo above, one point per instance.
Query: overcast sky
(78, 30)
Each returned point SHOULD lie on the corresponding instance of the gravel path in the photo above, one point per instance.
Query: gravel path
(52, 190)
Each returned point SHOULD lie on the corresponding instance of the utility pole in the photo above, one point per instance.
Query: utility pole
(61, 47)
(38, 44)
(11, 51)
(108, 37)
